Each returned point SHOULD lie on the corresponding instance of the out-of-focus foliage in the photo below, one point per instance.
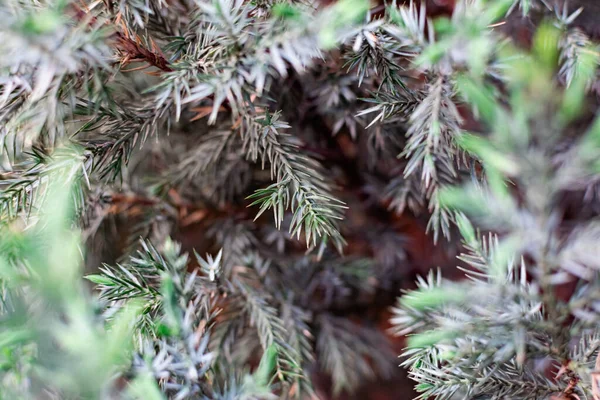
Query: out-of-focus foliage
(524, 324)
(59, 342)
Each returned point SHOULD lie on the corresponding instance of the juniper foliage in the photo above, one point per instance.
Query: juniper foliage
(127, 126)
(521, 325)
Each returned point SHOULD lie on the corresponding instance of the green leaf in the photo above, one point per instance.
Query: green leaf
(504, 255)
(432, 297)
(286, 11)
(545, 46)
(423, 387)
(99, 279)
(163, 330)
(344, 13)
(574, 96)
(432, 53)
(170, 307)
(480, 97)
(479, 51)
(264, 373)
(447, 355)
(490, 156)
(42, 22)
(119, 344)
(590, 145)
(15, 336)
(466, 228)
(429, 338)
(443, 26)
(496, 10)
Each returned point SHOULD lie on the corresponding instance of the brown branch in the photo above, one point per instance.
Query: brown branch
(130, 50)
(133, 51)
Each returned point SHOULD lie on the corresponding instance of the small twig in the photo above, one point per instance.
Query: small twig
(132, 50)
